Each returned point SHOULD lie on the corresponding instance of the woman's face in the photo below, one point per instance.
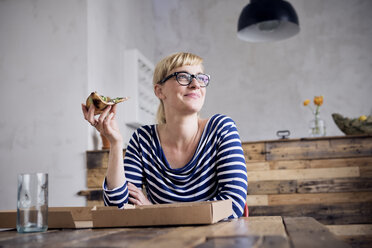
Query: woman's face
(182, 99)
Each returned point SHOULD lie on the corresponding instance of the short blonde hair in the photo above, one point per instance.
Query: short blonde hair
(166, 65)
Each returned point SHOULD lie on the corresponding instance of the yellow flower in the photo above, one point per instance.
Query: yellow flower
(362, 118)
(318, 100)
(306, 102)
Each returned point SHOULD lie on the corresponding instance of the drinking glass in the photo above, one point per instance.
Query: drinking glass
(32, 202)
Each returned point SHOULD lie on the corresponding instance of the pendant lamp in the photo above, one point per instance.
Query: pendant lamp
(267, 20)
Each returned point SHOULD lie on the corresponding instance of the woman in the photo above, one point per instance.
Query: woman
(181, 159)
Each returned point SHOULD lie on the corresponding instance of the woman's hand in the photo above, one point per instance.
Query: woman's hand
(106, 123)
(138, 198)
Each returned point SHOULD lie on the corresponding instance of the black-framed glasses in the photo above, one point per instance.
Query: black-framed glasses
(184, 78)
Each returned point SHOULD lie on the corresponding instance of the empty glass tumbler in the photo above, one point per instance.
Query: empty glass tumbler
(32, 203)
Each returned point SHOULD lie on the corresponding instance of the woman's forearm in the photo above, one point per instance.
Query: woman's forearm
(115, 176)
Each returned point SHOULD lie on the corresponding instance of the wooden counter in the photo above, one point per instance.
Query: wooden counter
(328, 178)
(273, 231)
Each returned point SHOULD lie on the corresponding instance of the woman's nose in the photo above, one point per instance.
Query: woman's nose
(194, 83)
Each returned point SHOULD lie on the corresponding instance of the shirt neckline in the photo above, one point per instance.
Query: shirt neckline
(166, 163)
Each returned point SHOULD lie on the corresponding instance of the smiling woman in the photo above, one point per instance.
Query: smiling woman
(181, 159)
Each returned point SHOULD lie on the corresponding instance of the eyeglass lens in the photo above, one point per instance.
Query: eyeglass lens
(185, 78)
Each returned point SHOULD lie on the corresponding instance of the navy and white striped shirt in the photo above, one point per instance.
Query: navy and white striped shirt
(216, 171)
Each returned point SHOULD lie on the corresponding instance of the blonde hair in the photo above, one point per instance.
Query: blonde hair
(166, 65)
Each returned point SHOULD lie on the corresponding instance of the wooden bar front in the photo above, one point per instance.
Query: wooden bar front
(328, 178)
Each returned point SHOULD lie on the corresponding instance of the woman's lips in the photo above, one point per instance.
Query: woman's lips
(193, 95)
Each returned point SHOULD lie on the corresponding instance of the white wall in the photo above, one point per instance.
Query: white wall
(262, 86)
(52, 54)
(113, 28)
(42, 75)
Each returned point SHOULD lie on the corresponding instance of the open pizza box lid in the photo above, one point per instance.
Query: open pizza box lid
(191, 213)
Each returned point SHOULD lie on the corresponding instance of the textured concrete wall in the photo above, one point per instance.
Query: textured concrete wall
(113, 27)
(262, 86)
(52, 54)
(42, 80)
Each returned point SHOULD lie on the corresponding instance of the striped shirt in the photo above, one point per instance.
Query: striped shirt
(216, 171)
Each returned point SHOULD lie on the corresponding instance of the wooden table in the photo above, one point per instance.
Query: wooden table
(263, 231)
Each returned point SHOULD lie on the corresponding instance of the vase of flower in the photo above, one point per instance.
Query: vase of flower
(317, 127)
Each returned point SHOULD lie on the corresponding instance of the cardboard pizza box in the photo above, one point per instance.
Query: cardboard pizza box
(190, 213)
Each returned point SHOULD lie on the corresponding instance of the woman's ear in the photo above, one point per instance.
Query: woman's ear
(158, 89)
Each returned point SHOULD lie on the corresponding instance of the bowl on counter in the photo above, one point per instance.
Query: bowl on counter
(353, 126)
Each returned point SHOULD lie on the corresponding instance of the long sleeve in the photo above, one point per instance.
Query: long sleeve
(133, 173)
(231, 169)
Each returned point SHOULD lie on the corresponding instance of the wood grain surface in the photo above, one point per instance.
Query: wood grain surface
(327, 214)
(267, 231)
(355, 235)
(304, 230)
(328, 178)
(316, 198)
(319, 149)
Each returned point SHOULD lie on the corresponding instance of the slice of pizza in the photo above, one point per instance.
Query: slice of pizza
(101, 102)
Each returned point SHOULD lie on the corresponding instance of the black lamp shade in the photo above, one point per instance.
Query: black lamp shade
(267, 20)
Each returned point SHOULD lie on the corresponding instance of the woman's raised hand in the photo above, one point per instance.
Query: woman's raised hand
(106, 123)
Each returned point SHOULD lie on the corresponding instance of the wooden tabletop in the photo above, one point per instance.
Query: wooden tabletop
(273, 231)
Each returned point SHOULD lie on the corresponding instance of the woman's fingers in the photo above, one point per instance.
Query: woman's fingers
(85, 111)
(137, 195)
(114, 108)
(104, 114)
(107, 120)
(104, 122)
(107, 124)
(132, 187)
(91, 114)
(88, 114)
(134, 201)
